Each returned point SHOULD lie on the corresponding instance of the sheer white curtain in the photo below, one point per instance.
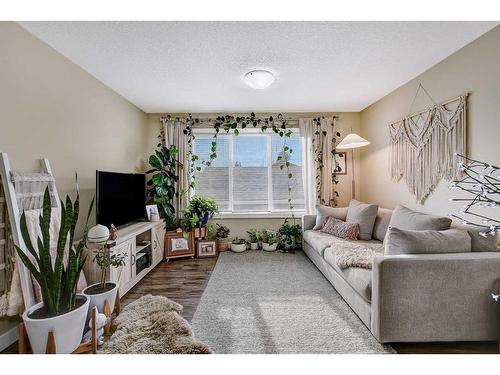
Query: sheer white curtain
(318, 186)
(174, 135)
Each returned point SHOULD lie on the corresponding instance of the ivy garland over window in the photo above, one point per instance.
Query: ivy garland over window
(233, 124)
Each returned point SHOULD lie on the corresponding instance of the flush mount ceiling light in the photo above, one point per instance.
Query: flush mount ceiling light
(259, 79)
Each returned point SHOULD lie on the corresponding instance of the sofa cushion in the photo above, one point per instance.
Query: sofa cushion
(404, 218)
(341, 229)
(478, 242)
(360, 279)
(319, 241)
(364, 214)
(381, 223)
(323, 212)
(400, 241)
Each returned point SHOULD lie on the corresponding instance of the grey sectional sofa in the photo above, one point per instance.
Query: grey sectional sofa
(413, 298)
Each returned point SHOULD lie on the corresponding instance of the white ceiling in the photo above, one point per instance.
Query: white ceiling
(198, 66)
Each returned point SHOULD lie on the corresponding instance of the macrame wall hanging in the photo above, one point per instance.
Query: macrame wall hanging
(424, 145)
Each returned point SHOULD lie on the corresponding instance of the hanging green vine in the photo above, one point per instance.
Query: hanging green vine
(318, 147)
(278, 125)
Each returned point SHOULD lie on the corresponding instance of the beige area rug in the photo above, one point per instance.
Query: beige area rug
(259, 302)
(153, 325)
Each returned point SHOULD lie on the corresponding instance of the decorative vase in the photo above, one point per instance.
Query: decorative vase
(200, 233)
(67, 327)
(222, 244)
(268, 247)
(254, 246)
(238, 247)
(98, 296)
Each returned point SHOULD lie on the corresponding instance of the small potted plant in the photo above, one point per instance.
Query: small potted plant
(255, 236)
(62, 311)
(238, 245)
(222, 234)
(270, 240)
(198, 212)
(104, 257)
(290, 237)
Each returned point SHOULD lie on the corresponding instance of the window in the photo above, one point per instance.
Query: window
(246, 176)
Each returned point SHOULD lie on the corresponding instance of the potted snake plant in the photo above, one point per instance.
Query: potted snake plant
(62, 311)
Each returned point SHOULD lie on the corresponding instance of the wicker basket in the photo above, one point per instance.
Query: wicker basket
(222, 244)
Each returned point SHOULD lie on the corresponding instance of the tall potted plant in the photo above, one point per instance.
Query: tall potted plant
(104, 258)
(62, 310)
(161, 186)
(198, 212)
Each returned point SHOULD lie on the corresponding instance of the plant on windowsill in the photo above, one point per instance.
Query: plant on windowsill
(62, 311)
(238, 245)
(198, 212)
(255, 236)
(290, 237)
(270, 240)
(222, 234)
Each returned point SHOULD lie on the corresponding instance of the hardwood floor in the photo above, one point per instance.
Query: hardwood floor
(184, 281)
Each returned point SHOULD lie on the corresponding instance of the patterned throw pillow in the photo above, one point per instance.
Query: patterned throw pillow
(341, 229)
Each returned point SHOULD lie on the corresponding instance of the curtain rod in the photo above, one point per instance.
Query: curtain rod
(209, 119)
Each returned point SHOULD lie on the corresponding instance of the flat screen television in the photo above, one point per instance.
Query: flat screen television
(120, 198)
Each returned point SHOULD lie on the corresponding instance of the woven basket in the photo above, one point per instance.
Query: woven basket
(222, 244)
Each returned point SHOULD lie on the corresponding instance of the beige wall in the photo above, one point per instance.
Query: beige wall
(475, 69)
(50, 107)
(345, 122)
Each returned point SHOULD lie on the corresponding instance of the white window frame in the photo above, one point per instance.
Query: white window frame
(271, 213)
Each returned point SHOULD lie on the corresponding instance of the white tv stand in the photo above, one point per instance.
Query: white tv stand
(136, 241)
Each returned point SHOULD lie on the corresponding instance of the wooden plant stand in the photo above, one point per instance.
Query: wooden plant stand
(89, 347)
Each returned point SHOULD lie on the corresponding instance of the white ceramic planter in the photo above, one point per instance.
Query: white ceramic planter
(68, 328)
(97, 300)
(238, 248)
(254, 246)
(267, 247)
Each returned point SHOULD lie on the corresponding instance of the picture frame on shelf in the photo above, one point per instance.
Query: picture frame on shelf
(341, 160)
(152, 212)
(206, 249)
(179, 244)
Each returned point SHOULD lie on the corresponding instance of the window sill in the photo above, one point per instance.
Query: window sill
(256, 215)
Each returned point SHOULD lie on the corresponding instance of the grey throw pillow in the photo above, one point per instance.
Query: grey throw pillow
(381, 223)
(478, 242)
(323, 212)
(404, 218)
(400, 241)
(363, 214)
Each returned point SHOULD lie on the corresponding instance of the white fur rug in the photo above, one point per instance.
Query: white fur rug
(152, 325)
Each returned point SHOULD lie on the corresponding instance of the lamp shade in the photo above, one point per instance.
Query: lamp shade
(352, 141)
(98, 234)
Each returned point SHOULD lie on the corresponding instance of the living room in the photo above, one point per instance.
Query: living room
(262, 187)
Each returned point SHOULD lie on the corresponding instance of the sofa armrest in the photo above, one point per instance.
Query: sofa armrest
(435, 297)
(308, 222)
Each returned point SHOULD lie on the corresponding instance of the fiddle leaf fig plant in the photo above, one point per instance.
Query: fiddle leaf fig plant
(57, 280)
(162, 184)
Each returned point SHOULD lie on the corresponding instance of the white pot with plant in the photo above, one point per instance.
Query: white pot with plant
(62, 311)
(270, 240)
(238, 245)
(105, 258)
(255, 236)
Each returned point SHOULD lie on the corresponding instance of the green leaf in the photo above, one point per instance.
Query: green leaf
(236, 132)
(158, 179)
(155, 162)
